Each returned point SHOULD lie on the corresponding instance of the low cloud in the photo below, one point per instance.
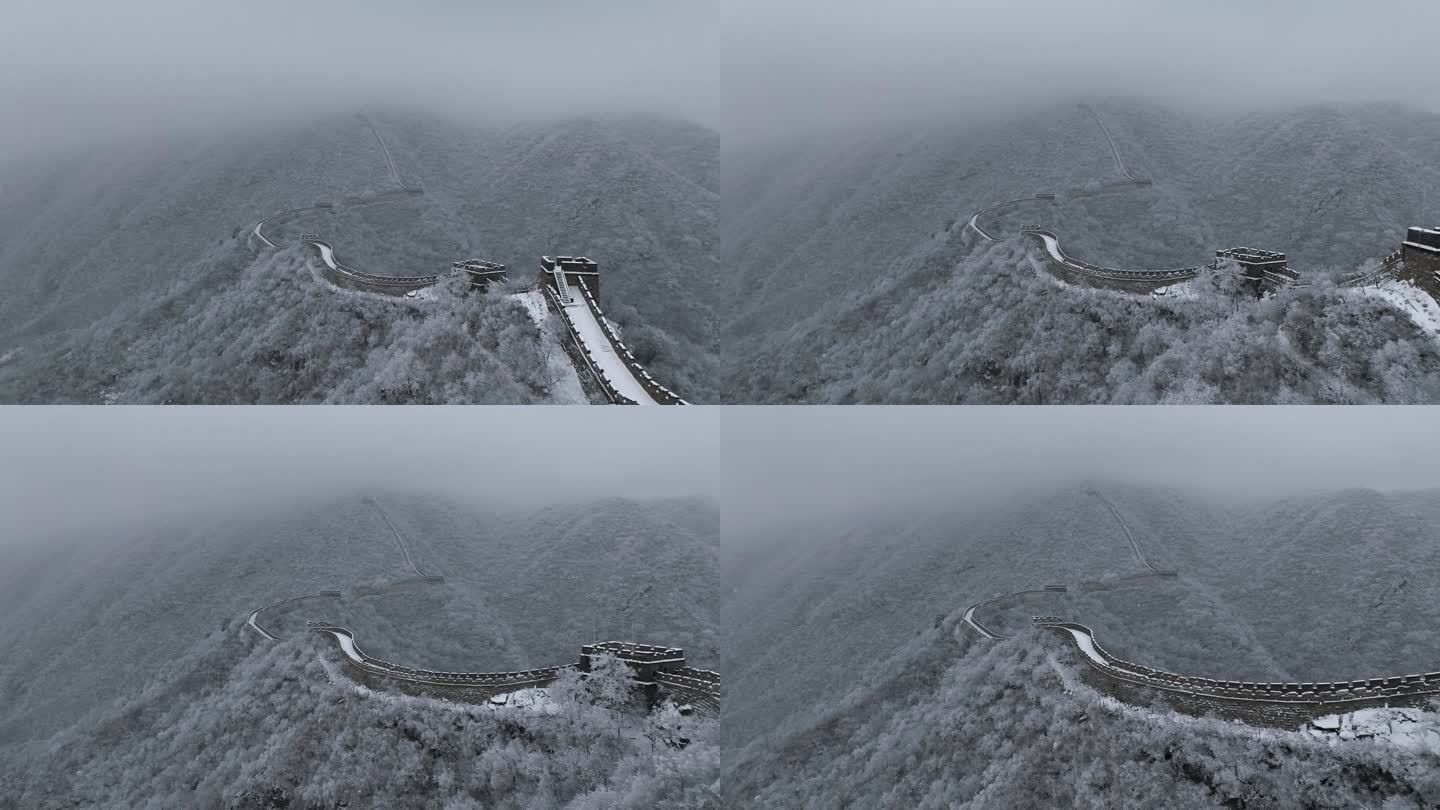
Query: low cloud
(813, 65)
(80, 70)
(103, 471)
(797, 465)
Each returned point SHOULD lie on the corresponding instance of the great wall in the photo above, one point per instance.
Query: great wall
(1277, 705)
(1416, 261)
(658, 673)
(594, 348)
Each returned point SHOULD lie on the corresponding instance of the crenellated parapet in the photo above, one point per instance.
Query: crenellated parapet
(1388, 268)
(352, 279)
(1084, 274)
(482, 273)
(1283, 705)
(657, 392)
(698, 687)
(1421, 259)
(571, 270)
(580, 352)
(659, 672)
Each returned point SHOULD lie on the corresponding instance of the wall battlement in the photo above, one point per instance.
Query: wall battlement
(577, 270)
(1281, 705)
(352, 279)
(659, 672)
(1421, 259)
(1084, 274)
(579, 354)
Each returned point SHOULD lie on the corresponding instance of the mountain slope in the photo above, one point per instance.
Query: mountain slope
(856, 280)
(981, 325)
(525, 588)
(1326, 587)
(136, 602)
(951, 723)
(241, 725)
(159, 241)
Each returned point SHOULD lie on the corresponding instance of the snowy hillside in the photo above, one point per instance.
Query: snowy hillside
(135, 276)
(523, 588)
(237, 724)
(952, 722)
(820, 615)
(856, 280)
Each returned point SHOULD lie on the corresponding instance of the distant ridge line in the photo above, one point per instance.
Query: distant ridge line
(1281, 705)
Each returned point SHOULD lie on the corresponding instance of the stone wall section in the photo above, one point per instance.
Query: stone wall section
(580, 355)
(658, 392)
(1282, 705)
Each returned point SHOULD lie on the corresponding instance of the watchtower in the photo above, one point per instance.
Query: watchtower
(482, 273)
(1421, 254)
(575, 269)
(1261, 268)
(643, 660)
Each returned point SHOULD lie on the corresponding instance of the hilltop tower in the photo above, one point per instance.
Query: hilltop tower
(482, 273)
(1262, 268)
(575, 270)
(1421, 254)
(643, 660)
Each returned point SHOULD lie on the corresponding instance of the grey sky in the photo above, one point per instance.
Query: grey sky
(71, 470)
(73, 67)
(795, 464)
(815, 63)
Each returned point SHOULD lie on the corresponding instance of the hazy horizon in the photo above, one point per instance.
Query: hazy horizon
(819, 68)
(86, 71)
(829, 464)
(74, 471)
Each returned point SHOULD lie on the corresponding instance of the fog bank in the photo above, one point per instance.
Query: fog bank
(814, 66)
(105, 470)
(85, 70)
(789, 465)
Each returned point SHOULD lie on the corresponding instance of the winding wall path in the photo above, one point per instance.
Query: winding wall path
(1282, 705)
(598, 350)
(696, 687)
(389, 160)
(1115, 150)
(1073, 271)
(351, 279)
(404, 549)
(1130, 536)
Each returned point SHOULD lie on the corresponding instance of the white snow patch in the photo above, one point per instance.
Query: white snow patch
(566, 390)
(1412, 729)
(1086, 645)
(5, 358)
(537, 700)
(327, 254)
(262, 236)
(604, 355)
(348, 645)
(1183, 291)
(975, 224)
(534, 301)
(1411, 300)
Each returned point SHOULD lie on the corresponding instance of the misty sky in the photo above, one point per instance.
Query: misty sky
(70, 470)
(791, 464)
(815, 63)
(81, 67)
